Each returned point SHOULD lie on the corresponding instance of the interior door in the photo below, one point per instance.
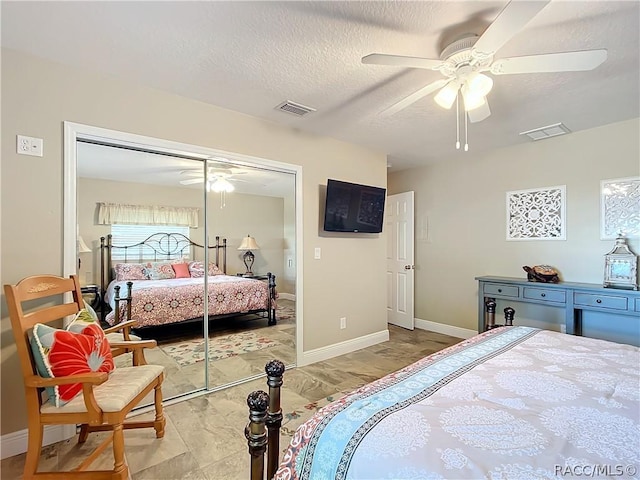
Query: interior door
(399, 224)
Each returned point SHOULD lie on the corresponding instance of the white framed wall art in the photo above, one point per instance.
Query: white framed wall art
(536, 214)
(620, 207)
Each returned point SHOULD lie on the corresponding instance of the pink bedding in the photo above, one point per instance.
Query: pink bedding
(160, 302)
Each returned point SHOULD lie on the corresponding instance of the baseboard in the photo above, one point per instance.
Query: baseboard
(457, 332)
(15, 443)
(348, 346)
(287, 296)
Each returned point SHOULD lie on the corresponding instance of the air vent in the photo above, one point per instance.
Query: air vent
(295, 108)
(547, 132)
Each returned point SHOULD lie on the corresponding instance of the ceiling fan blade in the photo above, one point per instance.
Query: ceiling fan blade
(414, 97)
(480, 113)
(401, 61)
(509, 21)
(192, 181)
(550, 62)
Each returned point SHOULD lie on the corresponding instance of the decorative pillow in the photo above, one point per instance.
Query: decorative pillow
(196, 269)
(181, 270)
(159, 271)
(59, 353)
(130, 271)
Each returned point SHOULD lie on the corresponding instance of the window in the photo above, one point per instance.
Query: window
(123, 235)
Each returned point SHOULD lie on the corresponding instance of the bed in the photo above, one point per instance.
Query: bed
(158, 282)
(510, 403)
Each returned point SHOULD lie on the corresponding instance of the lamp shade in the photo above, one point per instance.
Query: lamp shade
(471, 99)
(221, 185)
(248, 243)
(82, 247)
(480, 84)
(447, 95)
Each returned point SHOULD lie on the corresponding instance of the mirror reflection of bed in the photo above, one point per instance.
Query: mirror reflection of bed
(239, 344)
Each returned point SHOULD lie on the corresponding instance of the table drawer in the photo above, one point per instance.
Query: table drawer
(545, 294)
(637, 309)
(500, 289)
(600, 301)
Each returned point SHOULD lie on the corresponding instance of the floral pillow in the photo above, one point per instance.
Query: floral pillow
(196, 269)
(59, 353)
(159, 271)
(130, 271)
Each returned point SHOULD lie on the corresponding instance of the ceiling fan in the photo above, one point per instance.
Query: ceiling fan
(464, 62)
(218, 179)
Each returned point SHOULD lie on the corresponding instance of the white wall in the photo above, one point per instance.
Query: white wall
(460, 215)
(38, 96)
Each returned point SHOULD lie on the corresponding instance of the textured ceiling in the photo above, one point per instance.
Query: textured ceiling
(251, 56)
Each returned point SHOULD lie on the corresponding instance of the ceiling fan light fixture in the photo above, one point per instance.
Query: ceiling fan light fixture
(220, 185)
(471, 99)
(480, 84)
(447, 95)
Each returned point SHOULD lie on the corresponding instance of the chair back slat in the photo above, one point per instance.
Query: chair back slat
(37, 289)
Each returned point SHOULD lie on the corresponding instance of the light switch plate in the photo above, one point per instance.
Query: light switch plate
(316, 253)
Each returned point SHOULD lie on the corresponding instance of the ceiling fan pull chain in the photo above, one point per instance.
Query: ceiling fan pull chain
(457, 122)
(466, 132)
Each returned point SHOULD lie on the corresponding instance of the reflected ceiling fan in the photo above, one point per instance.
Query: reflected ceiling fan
(464, 62)
(218, 179)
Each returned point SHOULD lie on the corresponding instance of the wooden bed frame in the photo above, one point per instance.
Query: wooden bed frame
(265, 413)
(165, 247)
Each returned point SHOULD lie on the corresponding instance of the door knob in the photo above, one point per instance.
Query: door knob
(407, 267)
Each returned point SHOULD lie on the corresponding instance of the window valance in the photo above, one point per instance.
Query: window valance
(119, 213)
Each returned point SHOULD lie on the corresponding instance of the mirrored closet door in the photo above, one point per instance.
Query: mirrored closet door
(191, 224)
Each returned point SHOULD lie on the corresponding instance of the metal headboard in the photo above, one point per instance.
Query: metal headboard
(159, 246)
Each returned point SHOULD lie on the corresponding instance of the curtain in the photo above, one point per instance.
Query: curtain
(110, 213)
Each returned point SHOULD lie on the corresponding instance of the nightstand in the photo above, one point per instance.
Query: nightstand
(255, 276)
(92, 290)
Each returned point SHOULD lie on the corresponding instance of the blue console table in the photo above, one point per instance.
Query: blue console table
(574, 298)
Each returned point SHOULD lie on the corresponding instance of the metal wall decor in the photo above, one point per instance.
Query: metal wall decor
(620, 207)
(536, 214)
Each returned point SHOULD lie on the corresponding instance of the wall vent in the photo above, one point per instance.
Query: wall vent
(546, 132)
(295, 108)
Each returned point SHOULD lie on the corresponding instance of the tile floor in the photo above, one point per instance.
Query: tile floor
(204, 436)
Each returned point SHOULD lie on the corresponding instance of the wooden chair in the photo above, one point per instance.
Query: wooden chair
(106, 398)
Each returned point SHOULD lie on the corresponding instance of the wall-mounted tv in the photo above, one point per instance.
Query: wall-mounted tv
(351, 207)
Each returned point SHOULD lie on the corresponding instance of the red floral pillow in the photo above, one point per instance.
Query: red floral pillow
(197, 269)
(59, 353)
(159, 271)
(130, 271)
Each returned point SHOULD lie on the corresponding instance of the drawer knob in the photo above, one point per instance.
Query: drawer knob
(598, 301)
(499, 290)
(543, 294)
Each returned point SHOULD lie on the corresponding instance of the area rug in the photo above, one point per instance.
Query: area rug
(192, 351)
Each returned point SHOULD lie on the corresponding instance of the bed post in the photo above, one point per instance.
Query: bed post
(490, 306)
(103, 288)
(116, 299)
(224, 254)
(509, 313)
(256, 433)
(271, 301)
(274, 370)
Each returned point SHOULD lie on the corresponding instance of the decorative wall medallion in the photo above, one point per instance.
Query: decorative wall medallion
(620, 208)
(41, 287)
(536, 214)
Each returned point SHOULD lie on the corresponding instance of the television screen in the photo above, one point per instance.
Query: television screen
(351, 207)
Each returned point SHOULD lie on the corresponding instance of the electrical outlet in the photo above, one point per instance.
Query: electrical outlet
(563, 328)
(343, 323)
(29, 146)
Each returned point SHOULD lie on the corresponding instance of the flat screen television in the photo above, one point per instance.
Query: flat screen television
(351, 207)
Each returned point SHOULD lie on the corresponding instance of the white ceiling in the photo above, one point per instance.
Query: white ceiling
(251, 56)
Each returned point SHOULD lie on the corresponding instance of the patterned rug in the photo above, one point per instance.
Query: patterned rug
(192, 351)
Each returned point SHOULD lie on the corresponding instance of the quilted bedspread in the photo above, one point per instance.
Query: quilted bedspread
(512, 403)
(159, 302)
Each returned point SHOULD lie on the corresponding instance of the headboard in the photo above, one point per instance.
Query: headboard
(156, 247)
